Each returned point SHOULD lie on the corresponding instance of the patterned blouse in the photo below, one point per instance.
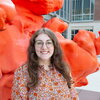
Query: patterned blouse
(51, 86)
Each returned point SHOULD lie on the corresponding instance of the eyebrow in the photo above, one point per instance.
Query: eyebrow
(46, 40)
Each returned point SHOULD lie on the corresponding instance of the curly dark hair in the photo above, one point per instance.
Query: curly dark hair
(56, 59)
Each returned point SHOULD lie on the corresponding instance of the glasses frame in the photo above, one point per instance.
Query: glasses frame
(40, 43)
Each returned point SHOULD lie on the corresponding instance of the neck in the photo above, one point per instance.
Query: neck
(45, 64)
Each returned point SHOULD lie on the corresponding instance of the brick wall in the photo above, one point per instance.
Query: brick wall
(97, 10)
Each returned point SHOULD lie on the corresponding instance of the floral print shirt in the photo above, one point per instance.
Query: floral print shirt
(51, 86)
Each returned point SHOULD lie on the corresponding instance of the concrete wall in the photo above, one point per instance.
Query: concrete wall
(89, 25)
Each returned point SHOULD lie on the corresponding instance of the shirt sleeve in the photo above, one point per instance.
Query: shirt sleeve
(19, 89)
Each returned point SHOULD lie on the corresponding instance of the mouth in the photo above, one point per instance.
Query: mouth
(44, 52)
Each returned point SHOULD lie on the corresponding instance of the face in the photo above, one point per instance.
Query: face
(44, 47)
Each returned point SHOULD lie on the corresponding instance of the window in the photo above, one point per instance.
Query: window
(90, 30)
(86, 6)
(82, 10)
(73, 32)
(76, 10)
(64, 34)
(63, 13)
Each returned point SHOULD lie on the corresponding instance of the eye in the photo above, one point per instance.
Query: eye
(39, 43)
(49, 43)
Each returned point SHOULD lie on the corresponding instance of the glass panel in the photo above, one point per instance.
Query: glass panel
(57, 12)
(86, 8)
(79, 7)
(86, 17)
(73, 7)
(81, 10)
(73, 32)
(72, 37)
(72, 18)
(61, 13)
(91, 30)
(64, 9)
(76, 31)
(92, 6)
(91, 17)
(78, 17)
(77, 10)
(64, 34)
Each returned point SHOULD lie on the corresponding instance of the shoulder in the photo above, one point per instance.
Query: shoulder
(22, 70)
(21, 74)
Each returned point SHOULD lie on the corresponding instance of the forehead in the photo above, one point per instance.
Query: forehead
(43, 37)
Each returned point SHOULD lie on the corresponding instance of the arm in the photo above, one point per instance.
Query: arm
(19, 89)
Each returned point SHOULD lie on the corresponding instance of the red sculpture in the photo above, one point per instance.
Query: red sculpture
(19, 19)
(97, 44)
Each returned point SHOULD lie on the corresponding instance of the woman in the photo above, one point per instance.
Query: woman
(45, 76)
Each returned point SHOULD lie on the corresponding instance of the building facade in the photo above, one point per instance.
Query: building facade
(80, 14)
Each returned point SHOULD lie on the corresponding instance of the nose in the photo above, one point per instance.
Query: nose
(44, 46)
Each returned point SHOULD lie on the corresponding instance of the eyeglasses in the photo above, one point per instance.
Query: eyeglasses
(40, 43)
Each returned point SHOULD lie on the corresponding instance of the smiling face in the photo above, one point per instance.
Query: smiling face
(44, 47)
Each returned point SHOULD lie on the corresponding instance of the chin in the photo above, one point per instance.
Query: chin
(45, 58)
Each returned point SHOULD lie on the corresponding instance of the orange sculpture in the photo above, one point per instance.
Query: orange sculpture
(19, 19)
(79, 53)
(97, 44)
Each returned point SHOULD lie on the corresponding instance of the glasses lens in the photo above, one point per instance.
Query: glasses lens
(41, 44)
(49, 44)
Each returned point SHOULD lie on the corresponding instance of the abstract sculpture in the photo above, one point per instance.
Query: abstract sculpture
(19, 19)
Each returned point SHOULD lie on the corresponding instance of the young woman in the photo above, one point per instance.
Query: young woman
(45, 76)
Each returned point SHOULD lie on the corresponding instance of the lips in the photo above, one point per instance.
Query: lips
(44, 52)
